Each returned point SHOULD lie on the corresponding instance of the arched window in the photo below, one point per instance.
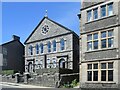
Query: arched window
(49, 46)
(54, 45)
(62, 44)
(30, 50)
(41, 48)
(37, 49)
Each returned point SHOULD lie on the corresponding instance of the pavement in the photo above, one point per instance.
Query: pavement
(16, 85)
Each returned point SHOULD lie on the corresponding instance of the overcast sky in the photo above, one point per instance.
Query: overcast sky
(21, 18)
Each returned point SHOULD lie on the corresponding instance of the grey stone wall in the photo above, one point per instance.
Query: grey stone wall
(100, 55)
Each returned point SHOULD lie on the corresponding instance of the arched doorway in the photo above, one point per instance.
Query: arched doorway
(30, 67)
(62, 63)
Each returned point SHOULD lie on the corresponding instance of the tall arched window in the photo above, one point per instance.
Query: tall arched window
(37, 49)
(30, 50)
(54, 45)
(62, 44)
(49, 46)
(41, 48)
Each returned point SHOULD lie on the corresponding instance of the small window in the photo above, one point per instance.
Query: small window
(41, 48)
(89, 66)
(103, 11)
(103, 65)
(110, 9)
(41, 64)
(89, 74)
(95, 75)
(37, 49)
(110, 65)
(89, 46)
(95, 44)
(103, 34)
(95, 13)
(110, 33)
(103, 75)
(49, 46)
(110, 75)
(89, 37)
(54, 45)
(89, 15)
(62, 44)
(30, 50)
(96, 66)
(95, 36)
(110, 42)
(103, 43)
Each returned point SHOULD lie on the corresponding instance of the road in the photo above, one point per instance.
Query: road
(13, 86)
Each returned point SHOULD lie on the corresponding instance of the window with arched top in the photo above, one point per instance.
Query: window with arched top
(62, 44)
(37, 49)
(54, 45)
(30, 50)
(49, 46)
(41, 48)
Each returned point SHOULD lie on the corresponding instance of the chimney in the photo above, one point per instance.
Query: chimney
(16, 37)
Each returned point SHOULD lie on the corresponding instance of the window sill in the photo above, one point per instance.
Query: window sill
(100, 82)
(97, 50)
(100, 19)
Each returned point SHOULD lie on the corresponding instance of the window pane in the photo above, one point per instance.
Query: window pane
(103, 75)
(31, 50)
(103, 11)
(103, 43)
(110, 33)
(89, 15)
(95, 43)
(89, 46)
(110, 42)
(95, 36)
(62, 44)
(54, 45)
(103, 34)
(96, 66)
(49, 47)
(95, 76)
(110, 75)
(37, 49)
(89, 37)
(110, 65)
(110, 9)
(41, 48)
(89, 66)
(103, 65)
(95, 12)
(89, 74)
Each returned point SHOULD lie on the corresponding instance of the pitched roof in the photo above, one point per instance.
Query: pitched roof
(53, 22)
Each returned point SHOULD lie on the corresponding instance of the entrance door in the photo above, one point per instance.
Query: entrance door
(62, 63)
(30, 67)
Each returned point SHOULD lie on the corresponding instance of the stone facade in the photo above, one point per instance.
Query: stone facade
(51, 57)
(106, 52)
(13, 55)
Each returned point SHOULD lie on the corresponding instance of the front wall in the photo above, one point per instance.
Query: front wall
(68, 50)
(92, 84)
(100, 53)
(100, 22)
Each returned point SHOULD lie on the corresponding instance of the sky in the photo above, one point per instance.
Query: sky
(21, 18)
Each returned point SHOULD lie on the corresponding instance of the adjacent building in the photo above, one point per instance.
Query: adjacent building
(51, 49)
(12, 54)
(100, 44)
